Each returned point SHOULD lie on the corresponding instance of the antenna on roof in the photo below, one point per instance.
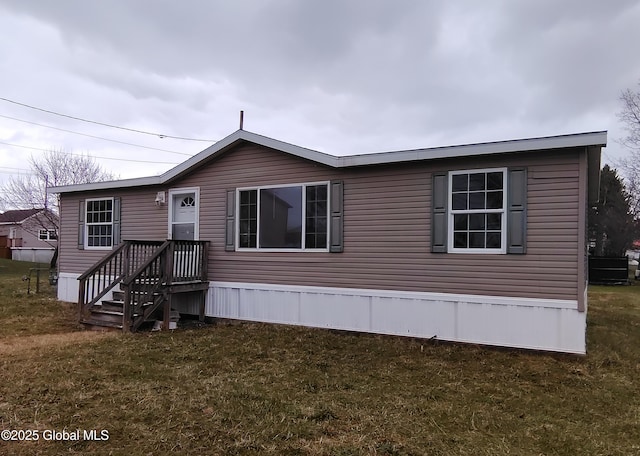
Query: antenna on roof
(241, 119)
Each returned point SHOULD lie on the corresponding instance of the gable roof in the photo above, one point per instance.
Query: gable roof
(598, 138)
(18, 216)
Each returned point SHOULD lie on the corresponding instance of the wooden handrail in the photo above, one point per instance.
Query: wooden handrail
(156, 266)
(131, 277)
(100, 278)
(103, 261)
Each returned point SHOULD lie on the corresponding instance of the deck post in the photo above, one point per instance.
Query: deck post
(204, 273)
(203, 302)
(126, 309)
(166, 313)
(127, 264)
(81, 294)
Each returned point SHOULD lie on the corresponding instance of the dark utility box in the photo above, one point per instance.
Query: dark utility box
(608, 270)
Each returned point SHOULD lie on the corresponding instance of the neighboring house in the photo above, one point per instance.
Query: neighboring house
(29, 234)
(480, 243)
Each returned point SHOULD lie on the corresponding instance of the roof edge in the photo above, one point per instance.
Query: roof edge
(595, 138)
(104, 185)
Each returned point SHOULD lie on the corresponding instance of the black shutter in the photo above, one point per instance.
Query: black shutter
(81, 215)
(439, 197)
(336, 230)
(116, 221)
(230, 222)
(517, 211)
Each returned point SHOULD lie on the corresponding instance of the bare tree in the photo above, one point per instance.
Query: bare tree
(53, 168)
(630, 165)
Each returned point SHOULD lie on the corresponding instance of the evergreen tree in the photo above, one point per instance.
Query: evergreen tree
(611, 223)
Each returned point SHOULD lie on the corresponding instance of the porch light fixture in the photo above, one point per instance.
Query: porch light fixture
(160, 199)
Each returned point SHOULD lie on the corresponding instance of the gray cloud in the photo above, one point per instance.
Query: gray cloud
(340, 76)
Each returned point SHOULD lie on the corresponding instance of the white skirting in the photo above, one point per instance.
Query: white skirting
(540, 324)
(68, 287)
(32, 254)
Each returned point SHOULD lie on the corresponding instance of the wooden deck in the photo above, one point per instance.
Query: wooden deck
(142, 278)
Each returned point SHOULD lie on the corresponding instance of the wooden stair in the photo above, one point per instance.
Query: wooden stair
(148, 274)
(108, 315)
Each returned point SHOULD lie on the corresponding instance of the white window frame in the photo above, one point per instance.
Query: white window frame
(503, 211)
(47, 235)
(180, 191)
(87, 224)
(304, 227)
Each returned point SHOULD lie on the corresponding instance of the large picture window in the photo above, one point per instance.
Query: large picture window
(283, 217)
(99, 223)
(477, 202)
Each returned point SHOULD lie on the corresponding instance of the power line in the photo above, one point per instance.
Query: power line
(95, 137)
(17, 169)
(159, 135)
(23, 173)
(94, 156)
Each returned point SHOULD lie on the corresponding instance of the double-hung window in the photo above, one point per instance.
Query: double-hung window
(287, 217)
(48, 235)
(99, 223)
(477, 219)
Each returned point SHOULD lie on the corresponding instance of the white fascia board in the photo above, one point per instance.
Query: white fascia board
(243, 135)
(209, 152)
(136, 182)
(519, 145)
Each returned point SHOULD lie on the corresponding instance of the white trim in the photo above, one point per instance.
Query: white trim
(598, 138)
(47, 236)
(451, 213)
(258, 188)
(184, 191)
(86, 224)
(539, 324)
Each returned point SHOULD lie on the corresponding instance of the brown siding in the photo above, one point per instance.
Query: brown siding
(142, 220)
(386, 227)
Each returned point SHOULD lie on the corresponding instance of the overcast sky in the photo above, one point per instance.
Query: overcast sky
(337, 76)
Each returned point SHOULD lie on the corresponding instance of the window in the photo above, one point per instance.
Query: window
(99, 223)
(48, 235)
(188, 201)
(477, 201)
(285, 217)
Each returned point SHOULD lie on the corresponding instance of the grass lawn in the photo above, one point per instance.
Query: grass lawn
(281, 390)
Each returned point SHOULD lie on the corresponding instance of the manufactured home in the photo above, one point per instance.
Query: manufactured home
(480, 243)
(28, 234)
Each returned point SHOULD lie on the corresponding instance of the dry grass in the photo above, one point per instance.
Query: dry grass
(281, 390)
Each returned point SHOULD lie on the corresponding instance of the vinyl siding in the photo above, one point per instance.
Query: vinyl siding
(387, 222)
(144, 221)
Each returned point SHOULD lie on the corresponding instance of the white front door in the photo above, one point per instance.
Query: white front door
(183, 217)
